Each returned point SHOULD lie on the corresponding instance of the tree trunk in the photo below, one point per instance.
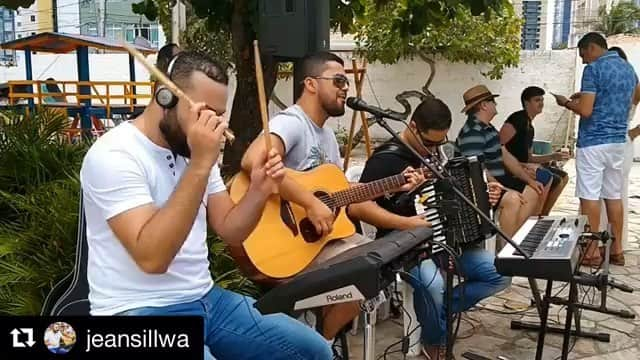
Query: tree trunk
(245, 119)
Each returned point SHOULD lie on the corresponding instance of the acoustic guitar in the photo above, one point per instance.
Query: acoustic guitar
(285, 241)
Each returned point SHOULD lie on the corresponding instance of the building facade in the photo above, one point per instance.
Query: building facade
(68, 20)
(537, 30)
(7, 33)
(36, 19)
(562, 23)
(121, 24)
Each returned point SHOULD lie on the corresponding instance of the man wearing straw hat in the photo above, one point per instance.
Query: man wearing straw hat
(478, 137)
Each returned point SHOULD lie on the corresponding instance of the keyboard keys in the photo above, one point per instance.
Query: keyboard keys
(530, 243)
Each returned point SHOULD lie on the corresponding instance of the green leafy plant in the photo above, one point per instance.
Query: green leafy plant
(407, 20)
(39, 191)
(492, 39)
(622, 18)
(39, 194)
(224, 270)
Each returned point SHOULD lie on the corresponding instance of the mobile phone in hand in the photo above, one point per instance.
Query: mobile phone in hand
(543, 176)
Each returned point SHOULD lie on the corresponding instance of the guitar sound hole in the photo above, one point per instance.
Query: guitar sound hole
(308, 231)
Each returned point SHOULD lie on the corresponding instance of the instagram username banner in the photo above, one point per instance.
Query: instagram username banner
(101, 337)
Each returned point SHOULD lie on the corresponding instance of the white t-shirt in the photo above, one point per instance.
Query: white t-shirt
(124, 170)
(53, 339)
(306, 144)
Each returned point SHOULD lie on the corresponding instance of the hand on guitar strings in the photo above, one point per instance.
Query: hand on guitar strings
(267, 176)
(321, 217)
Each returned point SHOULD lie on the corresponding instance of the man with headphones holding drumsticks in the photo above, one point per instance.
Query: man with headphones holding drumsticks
(151, 187)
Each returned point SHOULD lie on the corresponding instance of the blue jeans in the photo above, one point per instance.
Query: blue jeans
(481, 281)
(234, 329)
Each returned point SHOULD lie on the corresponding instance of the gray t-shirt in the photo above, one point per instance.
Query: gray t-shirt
(306, 145)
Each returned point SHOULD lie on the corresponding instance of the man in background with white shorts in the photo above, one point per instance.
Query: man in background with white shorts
(603, 103)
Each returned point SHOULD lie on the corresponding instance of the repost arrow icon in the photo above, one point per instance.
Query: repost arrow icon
(16, 339)
(29, 332)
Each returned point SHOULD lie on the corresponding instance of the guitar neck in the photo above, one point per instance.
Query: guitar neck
(368, 191)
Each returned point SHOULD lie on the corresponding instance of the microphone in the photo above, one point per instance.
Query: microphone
(360, 105)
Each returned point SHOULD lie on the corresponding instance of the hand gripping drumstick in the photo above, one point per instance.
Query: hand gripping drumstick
(167, 82)
(262, 98)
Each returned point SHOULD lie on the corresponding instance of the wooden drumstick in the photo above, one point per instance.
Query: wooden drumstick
(262, 98)
(162, 78)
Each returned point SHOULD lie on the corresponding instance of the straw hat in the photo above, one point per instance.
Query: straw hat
(476, 95)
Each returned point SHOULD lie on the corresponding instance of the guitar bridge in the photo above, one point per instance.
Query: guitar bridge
(287, 216)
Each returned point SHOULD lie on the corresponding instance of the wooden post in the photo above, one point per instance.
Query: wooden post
(132, 78)
(29, 71)
(358, 74)
(365, 123)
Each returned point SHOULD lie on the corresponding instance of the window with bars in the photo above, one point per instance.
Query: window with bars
(531, 13)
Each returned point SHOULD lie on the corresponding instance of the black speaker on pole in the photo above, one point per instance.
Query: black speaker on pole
(291, 29)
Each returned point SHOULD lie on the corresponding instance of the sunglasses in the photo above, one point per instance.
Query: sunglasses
(339, 80)
(429, 143)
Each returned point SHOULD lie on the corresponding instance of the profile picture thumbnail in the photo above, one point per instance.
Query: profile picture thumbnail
(59, 337)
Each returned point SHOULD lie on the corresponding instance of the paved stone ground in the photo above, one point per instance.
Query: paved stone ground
(488, 333)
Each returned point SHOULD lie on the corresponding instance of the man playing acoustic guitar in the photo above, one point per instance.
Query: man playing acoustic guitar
(299, 135)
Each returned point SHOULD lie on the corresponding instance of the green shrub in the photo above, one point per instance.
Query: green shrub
(39, 193)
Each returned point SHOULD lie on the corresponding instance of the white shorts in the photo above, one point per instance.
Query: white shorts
(599, 172)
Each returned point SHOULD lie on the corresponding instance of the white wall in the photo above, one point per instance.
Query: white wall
(551, 70)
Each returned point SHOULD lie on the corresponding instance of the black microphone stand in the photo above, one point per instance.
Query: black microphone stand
(449, 183)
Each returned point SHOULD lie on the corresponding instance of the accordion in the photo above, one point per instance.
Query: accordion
(467, 226)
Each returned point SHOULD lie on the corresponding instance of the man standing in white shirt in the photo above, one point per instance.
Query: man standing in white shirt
(150, 188)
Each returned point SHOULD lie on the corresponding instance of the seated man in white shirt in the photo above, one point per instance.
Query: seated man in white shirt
(151, 187)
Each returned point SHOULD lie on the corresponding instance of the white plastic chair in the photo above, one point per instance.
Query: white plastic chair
(409, 313)
(353, 175)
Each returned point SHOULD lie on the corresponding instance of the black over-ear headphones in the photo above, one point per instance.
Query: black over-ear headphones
(164, 96)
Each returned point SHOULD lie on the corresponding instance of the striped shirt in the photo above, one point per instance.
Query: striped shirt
(479, 139)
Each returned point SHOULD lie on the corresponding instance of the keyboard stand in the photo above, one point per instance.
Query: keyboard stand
(601, 282)
(370, 312)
